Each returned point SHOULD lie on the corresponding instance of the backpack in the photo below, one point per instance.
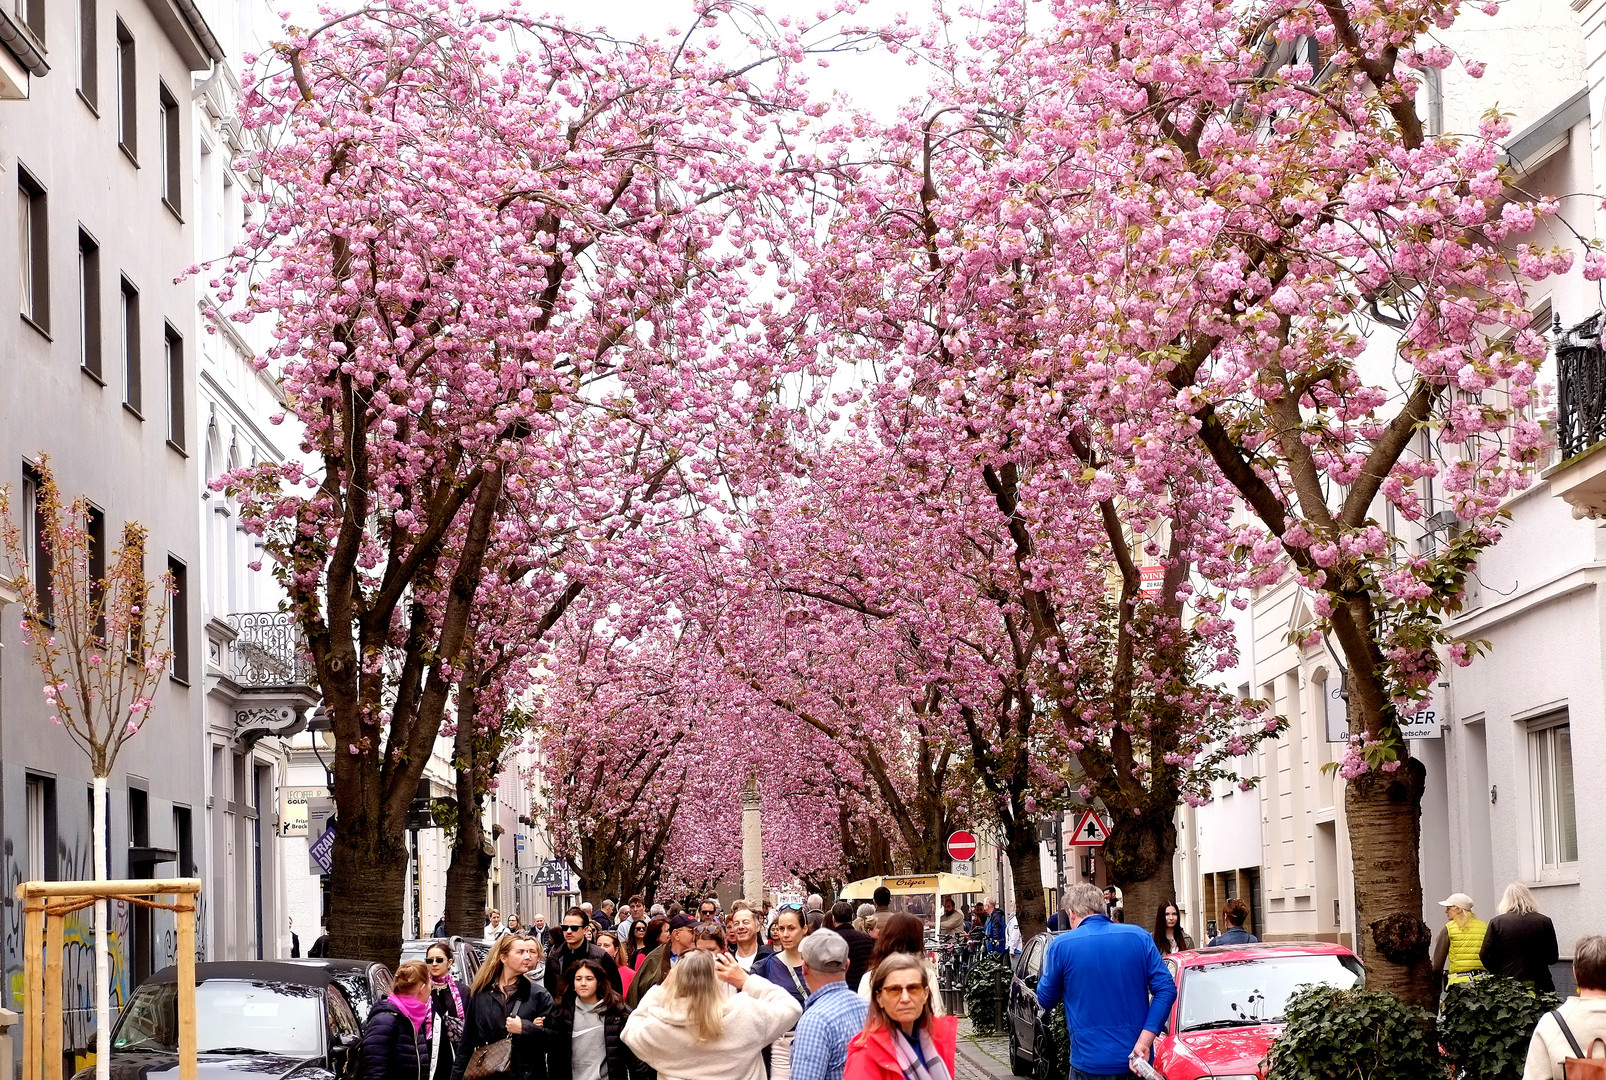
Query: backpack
(1583, 1066)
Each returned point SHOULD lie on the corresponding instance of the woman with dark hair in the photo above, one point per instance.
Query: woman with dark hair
(816, 920)
(657, 936)
(1169, 936)
(448, 1001)
(902, 1038)
(784, 968)
(507, 1004)
(608, 942)
(901, 934)
(635, 943)
(584, 1029)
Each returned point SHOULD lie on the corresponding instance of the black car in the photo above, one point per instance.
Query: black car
(1032, 1050)
(267, 1018)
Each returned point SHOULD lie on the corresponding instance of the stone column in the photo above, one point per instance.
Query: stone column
(752, 843)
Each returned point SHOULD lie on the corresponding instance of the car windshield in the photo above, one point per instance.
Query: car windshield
(231, 1016)
(1255, 991)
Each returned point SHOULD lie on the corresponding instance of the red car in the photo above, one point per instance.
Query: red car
(1230, 1003)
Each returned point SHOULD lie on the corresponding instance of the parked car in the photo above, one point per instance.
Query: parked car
(1031, 1046)
(1229, 1007)
(1230, 1003)
(467, 954)
(279, 1019)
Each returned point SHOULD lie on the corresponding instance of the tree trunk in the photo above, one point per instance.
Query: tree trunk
(103, 973)
(1141, 856)
(368, 886)
(468, 877)
(1026, 866)
(1385, 829)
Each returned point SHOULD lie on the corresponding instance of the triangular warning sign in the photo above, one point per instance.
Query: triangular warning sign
(1090, 831)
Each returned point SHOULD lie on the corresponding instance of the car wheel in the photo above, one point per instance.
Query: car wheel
(1044, 1067)
(1017, 1064)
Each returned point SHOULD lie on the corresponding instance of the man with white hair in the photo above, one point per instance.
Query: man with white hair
(1116, 989)
(815, 902)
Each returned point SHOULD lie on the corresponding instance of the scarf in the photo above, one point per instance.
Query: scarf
(932, 1068)
(454, 1020)
(415, 1010)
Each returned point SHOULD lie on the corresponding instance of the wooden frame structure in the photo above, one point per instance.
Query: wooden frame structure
(45, 907)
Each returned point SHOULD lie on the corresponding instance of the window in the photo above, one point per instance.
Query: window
(95, 530)
(168, 151)
(178, 620)
(184, 841)
(89, 305)
(1550, 754)
(131, 373)
(41, 825)
(173, 346)
(32, 14)
(88, 54)
(33, 249)
(127, 96)
(33, 527)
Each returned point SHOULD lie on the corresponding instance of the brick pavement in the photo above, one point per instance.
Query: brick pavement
(981, 1057)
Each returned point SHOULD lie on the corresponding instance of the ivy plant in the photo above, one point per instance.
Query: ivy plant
(1487, 1024)
(1354, 1034)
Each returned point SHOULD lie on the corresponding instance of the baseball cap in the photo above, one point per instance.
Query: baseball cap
(824, 950)
(1457, 899)
(681, 922)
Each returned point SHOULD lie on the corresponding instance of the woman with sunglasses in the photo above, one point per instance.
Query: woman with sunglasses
(785, 969)
(636, 941)
(448, 999)
(902, 1039)
(608, 942)
(657, 936)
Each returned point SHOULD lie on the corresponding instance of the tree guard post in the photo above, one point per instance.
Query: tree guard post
(46, 905)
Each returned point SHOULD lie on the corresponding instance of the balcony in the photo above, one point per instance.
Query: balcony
(263, 671)
(1580, 477)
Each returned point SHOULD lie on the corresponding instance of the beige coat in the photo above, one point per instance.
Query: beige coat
(758, 1016)
(1586, 1017)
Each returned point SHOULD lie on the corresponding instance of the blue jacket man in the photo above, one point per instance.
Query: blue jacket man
(995, 928)
(1116, 989)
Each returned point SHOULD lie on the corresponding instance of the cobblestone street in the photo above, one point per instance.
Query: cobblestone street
(981, 1057)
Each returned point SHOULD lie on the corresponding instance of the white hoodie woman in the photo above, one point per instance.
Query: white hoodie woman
(692, 1028)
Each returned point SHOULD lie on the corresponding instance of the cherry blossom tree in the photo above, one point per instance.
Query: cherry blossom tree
(499, 254)
(98, 643)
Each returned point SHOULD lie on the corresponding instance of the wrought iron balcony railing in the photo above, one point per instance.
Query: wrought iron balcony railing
(1581, 390)
(268, 650)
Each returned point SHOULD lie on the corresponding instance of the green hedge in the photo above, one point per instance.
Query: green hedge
(1487, 1024)
(986, 990)
(1352, 1035)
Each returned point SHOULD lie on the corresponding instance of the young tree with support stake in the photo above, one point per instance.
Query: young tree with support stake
(99, 646)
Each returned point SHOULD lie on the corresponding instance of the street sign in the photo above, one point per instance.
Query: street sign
(1153, 580)
(1091, 831)
(961, 845)
(321, 852)
(1423, 724)
(518, 842)
(964, 867)
(550, 874)
(293, 808)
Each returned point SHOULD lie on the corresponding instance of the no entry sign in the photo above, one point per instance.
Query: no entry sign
(961, 845)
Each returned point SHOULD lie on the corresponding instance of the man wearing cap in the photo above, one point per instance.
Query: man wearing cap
(655, 969)
(1458, 947)
(833, 1014)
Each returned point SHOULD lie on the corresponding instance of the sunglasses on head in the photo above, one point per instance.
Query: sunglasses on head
(791, 907)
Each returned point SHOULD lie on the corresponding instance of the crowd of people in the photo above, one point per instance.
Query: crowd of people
(749, 994)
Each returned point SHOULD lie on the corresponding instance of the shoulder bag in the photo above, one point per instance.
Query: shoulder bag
(1583, 1066)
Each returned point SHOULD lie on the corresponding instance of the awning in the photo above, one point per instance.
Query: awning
(912, 885)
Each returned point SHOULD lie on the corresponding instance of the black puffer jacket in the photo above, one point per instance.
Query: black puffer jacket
(622, 1064)
(488, 1011)
(392, 1049)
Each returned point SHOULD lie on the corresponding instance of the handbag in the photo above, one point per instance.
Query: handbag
(1583, 1066)
(489, 1060)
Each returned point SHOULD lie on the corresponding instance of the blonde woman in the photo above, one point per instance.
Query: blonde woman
(690, 1027)
(1521, 940)
(508, 1005)
(1456, 947)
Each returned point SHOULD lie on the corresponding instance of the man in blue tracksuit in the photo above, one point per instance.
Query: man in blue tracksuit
(1117, 991)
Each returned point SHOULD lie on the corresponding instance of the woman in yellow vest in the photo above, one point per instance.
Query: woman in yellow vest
(1456, 947)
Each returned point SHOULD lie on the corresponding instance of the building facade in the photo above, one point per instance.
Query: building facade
(97, 364)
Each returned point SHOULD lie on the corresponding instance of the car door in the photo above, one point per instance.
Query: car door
(1023, 1007)
(344, 1032)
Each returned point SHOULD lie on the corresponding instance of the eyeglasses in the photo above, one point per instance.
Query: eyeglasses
(437, 960)
(916, 991)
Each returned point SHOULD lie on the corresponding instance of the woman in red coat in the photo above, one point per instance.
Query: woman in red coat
(902, 1039)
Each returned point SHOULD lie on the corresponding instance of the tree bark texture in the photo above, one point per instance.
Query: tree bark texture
(1026, 866)
(469, 874)
(1141, 856)
(1385, 829)
(368, 883)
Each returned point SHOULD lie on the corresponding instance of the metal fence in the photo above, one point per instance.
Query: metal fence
(268, 650)
(1581, 388)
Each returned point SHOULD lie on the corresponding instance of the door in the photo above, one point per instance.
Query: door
(344, 1032)
(1023, 996)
